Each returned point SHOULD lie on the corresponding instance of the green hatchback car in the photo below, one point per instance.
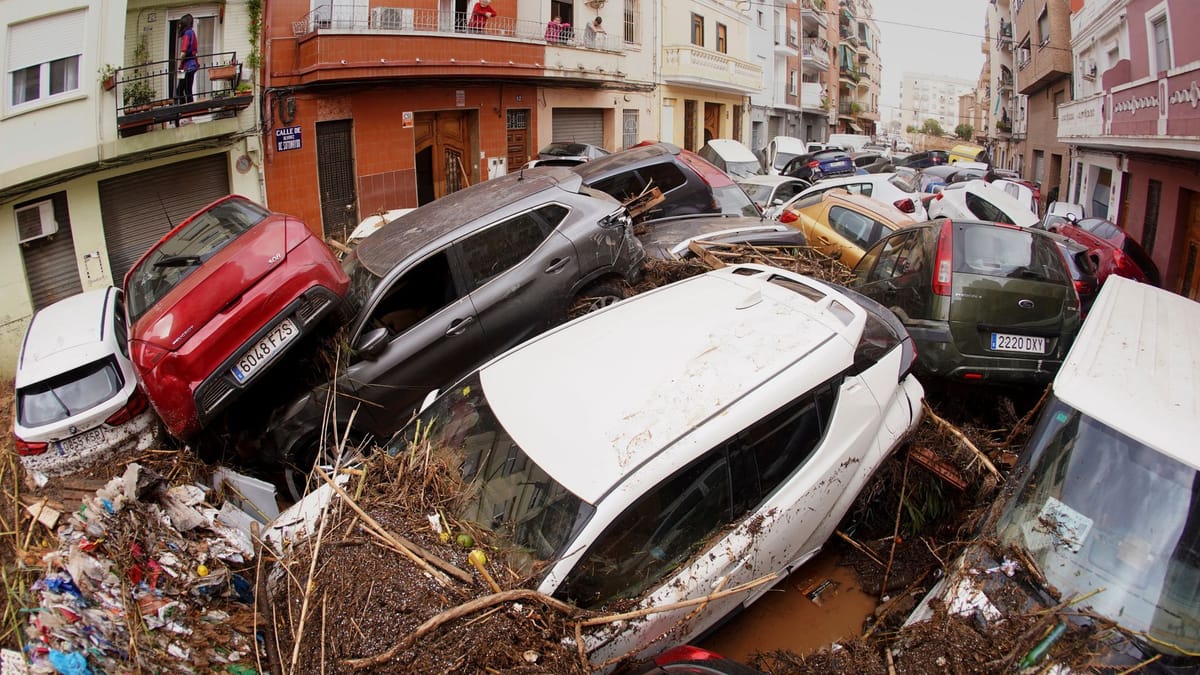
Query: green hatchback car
(983, 301)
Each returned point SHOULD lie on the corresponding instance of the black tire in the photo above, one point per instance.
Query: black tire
(598, 296)
(298, 477)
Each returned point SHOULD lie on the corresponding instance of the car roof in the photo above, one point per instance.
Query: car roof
(790, 144)
(602, 167)
(768, 179)
(882, 210)
(688, 352)
(397, 240)
(64, 336)
(1135, 366)
(667, 232)
(732, 150)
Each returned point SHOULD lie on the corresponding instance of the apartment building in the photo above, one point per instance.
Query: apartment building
(100, 159)
(924, 96)
(1004, 110)
(858, 68)
(774, 39)
(1134, 125)
(818, 69)
(1042, 56)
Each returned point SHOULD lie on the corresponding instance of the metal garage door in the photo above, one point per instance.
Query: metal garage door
(579, 125)
(50, 264)
(139, 208)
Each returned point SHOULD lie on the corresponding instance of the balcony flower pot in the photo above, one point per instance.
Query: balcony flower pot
(227, 72)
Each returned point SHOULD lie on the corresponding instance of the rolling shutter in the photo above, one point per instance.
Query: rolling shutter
(578, 125)
(139, 208)
(50, 264)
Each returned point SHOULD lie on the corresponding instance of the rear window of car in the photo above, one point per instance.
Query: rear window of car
(1100, 227)
(985, 210)
(708, 173)
(1008, 252)
(628, 184)
(757, 192)
(69, 394)
(906, 182)
(166, 266)
(731, 199)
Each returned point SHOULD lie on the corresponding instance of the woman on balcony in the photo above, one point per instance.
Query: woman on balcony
(188, 65)
(480, 15)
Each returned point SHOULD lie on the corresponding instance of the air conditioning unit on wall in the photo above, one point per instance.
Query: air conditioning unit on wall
(1089, 69)
(36, 221)
(392, 18)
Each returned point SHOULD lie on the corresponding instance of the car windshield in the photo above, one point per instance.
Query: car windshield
(757, 192)
(69, 394)
(1096, 509)
(167, 265)
(564, 150)
(363, 282)
(742, 169)
(732, 199)
(532, 516)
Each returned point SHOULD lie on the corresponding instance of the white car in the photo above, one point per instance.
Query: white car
(373, 222)
(897, 189)
(732, 424)
(780, 151)
(977, 200)
(769, 191)
(1018, 191)
(77, 398)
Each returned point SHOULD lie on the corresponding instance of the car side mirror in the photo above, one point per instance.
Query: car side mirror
(371, 343)
(777, 201)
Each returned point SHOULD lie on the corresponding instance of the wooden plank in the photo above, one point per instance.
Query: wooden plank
(937, 466)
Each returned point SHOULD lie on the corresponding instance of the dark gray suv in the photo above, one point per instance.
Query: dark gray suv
(443, 288)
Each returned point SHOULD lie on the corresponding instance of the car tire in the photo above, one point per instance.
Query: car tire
(598, 296)
(298, 476)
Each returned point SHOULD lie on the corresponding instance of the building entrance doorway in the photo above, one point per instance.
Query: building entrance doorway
(443, 146)
(1189, 275)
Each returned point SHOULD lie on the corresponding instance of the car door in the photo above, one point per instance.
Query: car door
(430, 336)
(896, 273)
(520, 272)
(849, 233)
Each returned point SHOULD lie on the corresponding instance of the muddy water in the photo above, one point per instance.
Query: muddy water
(785, 618)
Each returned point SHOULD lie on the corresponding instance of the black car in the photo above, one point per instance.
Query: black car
(941, 175)
(451, 284)
(822, 164)
(873, 162)
(669, 238)
(925, 159)
(689, 183)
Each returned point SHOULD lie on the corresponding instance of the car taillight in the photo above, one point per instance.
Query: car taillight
(146, 355)
(788, 217)
(943, 270)
(905, 205)
(685, 653)
(814, 164)
(136, 405)
(28, 448)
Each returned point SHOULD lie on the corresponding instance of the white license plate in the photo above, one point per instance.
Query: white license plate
(1003, 342)
(80, 442)
(261, 353)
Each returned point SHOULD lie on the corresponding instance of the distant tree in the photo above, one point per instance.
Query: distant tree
(964, 131)
(913, 129)
(932, 128)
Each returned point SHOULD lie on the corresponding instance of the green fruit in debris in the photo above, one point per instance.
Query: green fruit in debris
(466, 540)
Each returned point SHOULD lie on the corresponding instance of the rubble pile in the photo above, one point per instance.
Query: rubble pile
(146, 577)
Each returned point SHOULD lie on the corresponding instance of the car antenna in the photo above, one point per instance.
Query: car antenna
(170, 225)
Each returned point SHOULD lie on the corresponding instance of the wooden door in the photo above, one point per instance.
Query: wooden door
(689, 125)
(517, 141)
(1189, 277)
(712, 121)
(442, 140)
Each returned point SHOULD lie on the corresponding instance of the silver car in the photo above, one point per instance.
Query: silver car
(445, 287)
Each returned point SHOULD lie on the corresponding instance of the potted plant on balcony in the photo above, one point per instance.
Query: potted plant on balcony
(108, 76)
(137, 96)
(855, 108)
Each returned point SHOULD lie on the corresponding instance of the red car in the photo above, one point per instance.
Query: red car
(1114, 251)
(216, 302)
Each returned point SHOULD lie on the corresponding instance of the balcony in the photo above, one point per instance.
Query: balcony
(815, 53)
(849, 37)
(356, 42)
(848, 75)
(145, 93)
(695, 66)
(812, 97)
(812, 13)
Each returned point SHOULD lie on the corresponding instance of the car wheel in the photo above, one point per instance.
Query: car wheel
(598, 296)
(298, 475)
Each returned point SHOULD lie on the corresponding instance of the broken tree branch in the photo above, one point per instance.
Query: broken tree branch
(1024, 421)
(954, 431)
(658, 609)
(861, 549)
(458, 612)
(887, 571)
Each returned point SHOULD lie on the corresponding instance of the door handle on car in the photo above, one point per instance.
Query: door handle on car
(460, 326)
(557, 264)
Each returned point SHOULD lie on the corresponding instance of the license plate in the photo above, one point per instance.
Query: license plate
(264, 350)
(1003, 342)
(80, 442)
(834, 166)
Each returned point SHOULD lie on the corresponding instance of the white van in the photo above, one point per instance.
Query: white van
(780, 151)
(731, 156)
(849, 142)
(1106, 498)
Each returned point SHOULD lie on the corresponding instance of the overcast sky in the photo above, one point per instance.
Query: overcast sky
(927, 36)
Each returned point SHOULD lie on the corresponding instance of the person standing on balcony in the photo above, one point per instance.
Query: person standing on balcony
(554, 29)
(480, 15)
(188, 65)
(594, 32)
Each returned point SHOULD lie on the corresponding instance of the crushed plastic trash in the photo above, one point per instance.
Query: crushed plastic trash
(72, 663)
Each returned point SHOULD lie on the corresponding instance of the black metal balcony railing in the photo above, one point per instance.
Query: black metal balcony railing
(371, 20)
(146, 93)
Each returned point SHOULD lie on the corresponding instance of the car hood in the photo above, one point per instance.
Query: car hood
(218, 283)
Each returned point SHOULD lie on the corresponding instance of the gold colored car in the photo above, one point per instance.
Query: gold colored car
(843, 225)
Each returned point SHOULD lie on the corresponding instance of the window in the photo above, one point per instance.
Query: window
(1059, 98)
(856, 228)
(1150, 224)
(1006, 252)
(900, 256)
(722, 38)
(629, 127)
(422, 291)
(792, 86)
(697, 30)
(1161, 43)
(1039, 161)
(43, 58)
(665, 177)
(500, 247)
(985, 210)
(631, 16)
(1043, 24)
